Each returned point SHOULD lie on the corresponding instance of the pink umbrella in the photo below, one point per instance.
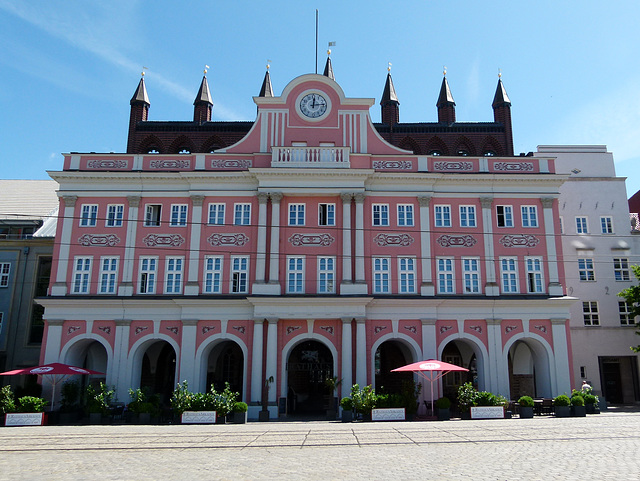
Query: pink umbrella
(436, 370)
(58, 372)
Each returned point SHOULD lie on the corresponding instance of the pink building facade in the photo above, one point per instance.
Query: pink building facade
(311, 248)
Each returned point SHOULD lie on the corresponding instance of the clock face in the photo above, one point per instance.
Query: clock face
(313, 105)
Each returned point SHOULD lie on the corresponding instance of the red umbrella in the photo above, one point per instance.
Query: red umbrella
(57, 371)
(431, 366)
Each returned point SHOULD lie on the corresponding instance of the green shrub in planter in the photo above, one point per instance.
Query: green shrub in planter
(443, 403)
(590, 399)
(467, 395)
(31, 404)
(240, 407)
(562, 406)
(577, 401)
(364, 400)
(526, 401)
(526, 407)
(562, 400)
(346, 403)
(7, 400)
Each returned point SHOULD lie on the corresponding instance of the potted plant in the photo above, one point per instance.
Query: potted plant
(443, 408)
(332, 384)
(240, 412)
(364, 400)
(577, 406)
(223, 402)
(97, 401)
(410, 394)
(7, 401)
(467, 395)
(562, 406)
(70, 402)
(347, 409)
(591, 404)
(263, 415)
(143, 406)
(526, 407)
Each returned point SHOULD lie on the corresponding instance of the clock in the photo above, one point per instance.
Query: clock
(313, 105)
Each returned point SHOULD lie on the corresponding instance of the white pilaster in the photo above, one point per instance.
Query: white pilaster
(361, 352)
(54, 340)
(127, 288)
(188, 369)
(272, 357)
(256, 361)
(560, 356)
(347, 276)
(274, 258)
(120, 354)
(59, 288)
(494, 382)
(427, 287)
(555, 288)
(429, 346)
(491, 288)
(347, 356)
(261, 253)
(359, 199)
(192, 287)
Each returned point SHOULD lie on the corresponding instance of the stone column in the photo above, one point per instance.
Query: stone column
(59, 288)
(491, 287)
(347, 357)
(347, 277)
(494, 379)
(555, 288)
(274, 258)
(127, 287)
(120, 355)
(192, 287)
(188, 370)
(427, 287)
(361, 351)
(263, 197)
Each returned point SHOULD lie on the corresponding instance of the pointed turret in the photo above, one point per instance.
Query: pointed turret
(446, 105)
(328, 68)
(203, 104)
(389, 102)
(266, 90)
(502, 114)
(139, 110)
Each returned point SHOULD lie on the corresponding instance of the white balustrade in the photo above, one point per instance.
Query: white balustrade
(310, 157)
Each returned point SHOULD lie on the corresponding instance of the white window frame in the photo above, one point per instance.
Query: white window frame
(295, 274)
(405, 215)
(108, 281)
(590, 313)
(626, 316)
(471, 275)
(407, 275)
(242, 213)
(468, 216)
(509, 275)
(380, 215)
(81, 279)
(239, 282)
(115, 215)
(504, 218)
(381, 268)
(442, 215)
(606, 224)
(89, 215)
(529, 216)
(445, 268)
(213, 272)
(216, 213)
(5, 272)
(534, 268)
(586, 269)
(621, 269)
(297, 214)
(328, 217)
(582, 225)
(179, 215)
(152, 215)
(173, 275)
(326, 275)
(148, 276)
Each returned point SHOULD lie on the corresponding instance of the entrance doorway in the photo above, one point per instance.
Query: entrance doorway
(459, 353)
(310, 365)
(391, 355)
(619, 378)
(225, 364)
(158, 370)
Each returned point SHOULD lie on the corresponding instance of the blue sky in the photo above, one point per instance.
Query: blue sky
(68, 68)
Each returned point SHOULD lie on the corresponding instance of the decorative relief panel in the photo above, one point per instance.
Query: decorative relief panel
(411, 329)
(72, 329)
(106, 330)
(240, 329)
(170, 164)
(99, 240)
(456, 240)
(508, 329)
(230, 164)
(311, 239)
(291, 329)
(448, 166)
(327, 329)
(392, 164)
(107, 164)
(478, 329)
(541, 328)
(140, 329)
(514, 166)
(227, 239)
(206, 329)
(519, 240)
(378, 329)
(401, 240)
(155, 240)
(444, 329)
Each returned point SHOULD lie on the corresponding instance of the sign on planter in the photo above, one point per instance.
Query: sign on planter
(387, 414)
(199, 417)
(24, 419)
(487, 412)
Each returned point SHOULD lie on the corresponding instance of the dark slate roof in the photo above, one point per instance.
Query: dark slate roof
(389, 93)
(187, 126)
(445, 96)
(501, 96)
(438, 128)
(266, 90)
(328, 69)
(204, 95)
(140, 94)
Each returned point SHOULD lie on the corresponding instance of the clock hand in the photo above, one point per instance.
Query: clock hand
(313, 104)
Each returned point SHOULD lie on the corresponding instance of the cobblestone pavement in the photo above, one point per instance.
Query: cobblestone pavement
(597, 447)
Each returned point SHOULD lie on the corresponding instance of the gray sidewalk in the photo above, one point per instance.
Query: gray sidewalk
(602, 446)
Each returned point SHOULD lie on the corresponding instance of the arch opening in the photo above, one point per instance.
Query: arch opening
(391, 355)
(309, 365)
(158, 370)
(529, 372)
(225, 364)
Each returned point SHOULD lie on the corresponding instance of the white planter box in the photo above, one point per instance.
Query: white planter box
(24, 419)
(388, 414)
(487, 412)
(198, 417)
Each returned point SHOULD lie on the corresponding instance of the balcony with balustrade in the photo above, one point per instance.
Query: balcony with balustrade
(311, 157)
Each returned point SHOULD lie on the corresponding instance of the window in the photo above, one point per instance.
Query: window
(471, 275)
(467, 216)
(108, 275)
(442, 215)
(606, 225)
(89, 216)
(585, 269)
(178, 215)
(381, 274)
(81, 275)
(295, 275)
(626, 319)
(534, 274)
(148, 268)
(239, 274)
(326, 214)
(590, 313)
(405, 215)
(36, 329)
(581, 225)
(115, 213)
(173, 275)
(152, 215)
(621, 269)
(380, 214)
(561, 225)
(216, 214)
(504, 215)
(407, 275)
(213, 274)
(242, 214)
(296, 214)
(326, 275)
(509, 274)
(445, 276)
(529, 216)
(5, 269)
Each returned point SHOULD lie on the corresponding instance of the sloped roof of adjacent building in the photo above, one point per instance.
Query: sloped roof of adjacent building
(27, 199)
